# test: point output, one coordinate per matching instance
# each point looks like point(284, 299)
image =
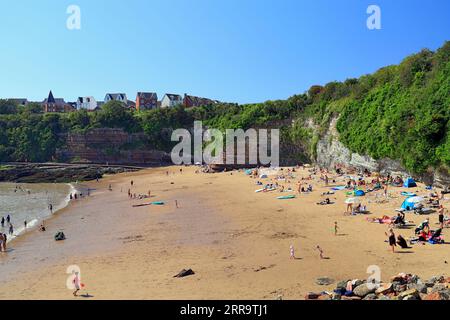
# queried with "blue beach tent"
point(359, 193)
point(408, 205)
point(410, 183)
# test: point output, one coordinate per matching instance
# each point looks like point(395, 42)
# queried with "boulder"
point(184, 273)
point(363, 290)
point(398, 287)
point(384, 288)
point(422, 288)
point(411, 297)
point(324, 296)
point(342, 285)
point(435, 279)
point(442, 290)
point(370, 296)
point(409, 293)
point(324, 281)
point(358, 283)
point(436, 296)
point(312, 296)
point(414, 279)
point(350, 298)
point(438, 287)
point(59, 236)
point(336, 296)
point(398, 278)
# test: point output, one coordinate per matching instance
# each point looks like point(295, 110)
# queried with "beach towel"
point(338, 188)
point(286, 197)
point(408, 194)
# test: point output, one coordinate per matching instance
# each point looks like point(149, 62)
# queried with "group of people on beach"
point(370, 183)
point(9, 224)
point(3, 236)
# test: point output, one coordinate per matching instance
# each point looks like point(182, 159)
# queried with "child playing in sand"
point(292, 251)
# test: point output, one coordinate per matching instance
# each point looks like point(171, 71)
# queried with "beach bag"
point(59, 236)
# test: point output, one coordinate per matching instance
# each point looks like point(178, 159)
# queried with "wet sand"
point(237, 242)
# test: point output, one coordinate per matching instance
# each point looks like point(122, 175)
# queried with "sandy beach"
point(236, 241)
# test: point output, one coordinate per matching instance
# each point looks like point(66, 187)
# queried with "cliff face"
point(110, 145)
point(331, 152)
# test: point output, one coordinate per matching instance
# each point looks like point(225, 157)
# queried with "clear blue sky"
point(231, 50)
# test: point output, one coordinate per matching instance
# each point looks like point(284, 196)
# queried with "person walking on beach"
point(3, 222)
point(336, 228)
point(441, 215)
point(2, 243)
point(11, 229)
point(76, 283)
point(25, 224)
point(176, 204)
point(320, 252)
point(50, 208)
point(392, 239)
point(292, 252)
point(8, 219)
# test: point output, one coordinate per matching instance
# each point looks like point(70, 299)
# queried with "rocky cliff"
point(110, 145)
point(331, 152)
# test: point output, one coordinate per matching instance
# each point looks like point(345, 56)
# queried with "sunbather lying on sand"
point(383, 220)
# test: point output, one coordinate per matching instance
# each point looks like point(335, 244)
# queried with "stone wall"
point(110, 145)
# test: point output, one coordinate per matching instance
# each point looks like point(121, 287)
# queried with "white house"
point(88, 103)
point(171, 100)
point(122, 97)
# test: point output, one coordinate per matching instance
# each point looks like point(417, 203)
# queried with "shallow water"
point(30, 203)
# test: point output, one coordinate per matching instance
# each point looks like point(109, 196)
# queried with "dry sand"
point(237, 242)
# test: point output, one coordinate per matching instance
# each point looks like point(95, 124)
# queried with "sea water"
point(30, 203)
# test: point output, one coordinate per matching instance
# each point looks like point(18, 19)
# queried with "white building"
point(171, 100)
point(122, 97)
point(88, 103)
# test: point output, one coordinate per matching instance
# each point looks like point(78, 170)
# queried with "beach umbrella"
point(352, 200)
point(414, 199)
